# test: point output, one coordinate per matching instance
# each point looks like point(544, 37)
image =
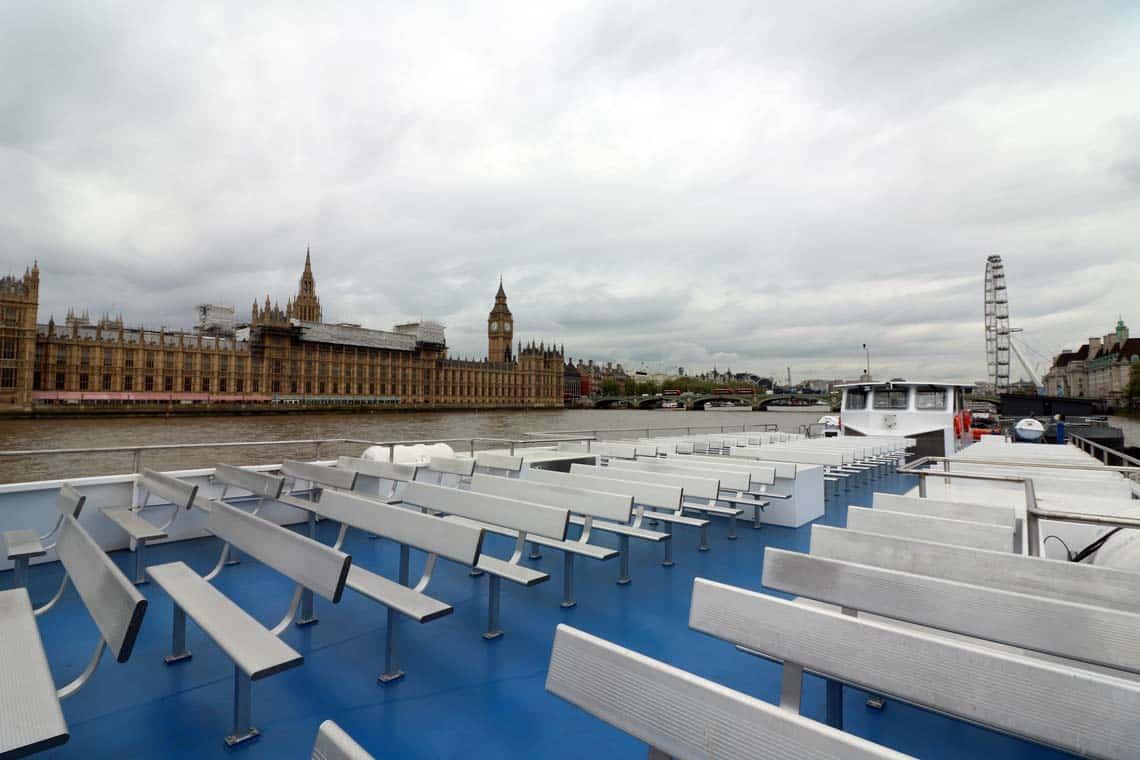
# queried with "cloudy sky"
point(755, 185)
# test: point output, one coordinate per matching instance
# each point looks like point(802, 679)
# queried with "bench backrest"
point(318, 474)
point(682, 715)
point(69, 501)
point(654, 495)
point(310, 563)
point(452, 540)
point(683, 447)
point(491, 460)
point(257, 483)
point(1069, 581)
point(114, 603)
point(525, 516)
point(614, 450)
point(759, 469)
point(939, 529)
point(173, 490)
point(607, 506)
point(464, 468)
point(952, 510)
point(334, 743)
point(738, 480)
point(1078, 631)
point(692, 485)
point(1072, 708)
point(400, 473)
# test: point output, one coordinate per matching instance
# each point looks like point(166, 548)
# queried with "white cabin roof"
point(900, 381)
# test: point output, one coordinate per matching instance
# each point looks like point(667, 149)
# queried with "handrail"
point(1033, 513)
point(744, 428)
point(1088, 446)
point(138, 450)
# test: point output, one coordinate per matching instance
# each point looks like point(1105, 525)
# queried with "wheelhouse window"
point(856, 399)
point(930, 398)
point(892, 398)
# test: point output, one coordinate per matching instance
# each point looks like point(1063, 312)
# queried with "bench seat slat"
point(713, 509)
point(406, 601)
point(30, 716)
point(670, 517)
point(23, 543)
point(622, 530)
point(524, 576)
point(251, 646)
point(592, 551)
point(135, 527)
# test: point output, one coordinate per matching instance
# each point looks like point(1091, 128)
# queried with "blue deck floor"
point(463, 697)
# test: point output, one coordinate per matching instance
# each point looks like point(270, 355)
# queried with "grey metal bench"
point(952, 510)
point(333, 743)
point(1065, 707)
point(255, 650)
point(508, 465)
point(22, 545)
point(258, 485)
point(664, 502)
point(481, 510)
point(409, 529)
point(735, 485)
point(316, 478)
point(680, 715)
point(31, 718)
point(151, 484)
point(940, 529)
point(371, 476)
point(442, 467)
point(537, 493)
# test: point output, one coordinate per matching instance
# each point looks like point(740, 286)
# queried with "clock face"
point(494, 327)
point(506, 327)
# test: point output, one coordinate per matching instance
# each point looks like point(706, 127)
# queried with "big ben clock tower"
point(500, 328)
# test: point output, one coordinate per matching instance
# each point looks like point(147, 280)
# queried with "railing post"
point(922, 485)
point(512, 448)
point(472, 448)
point(136, 460)
point(391, 452)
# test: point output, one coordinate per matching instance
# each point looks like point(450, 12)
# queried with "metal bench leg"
point(234, 556)
point(568, 580)
point(623, 548)
point(243, 707)
point(178, 650)
point(140, 563)
point(833, 714)
point(534, 552)
point(732, 527)
point(493, 630)
point(392, 671)
point(756, 517)
point(20, 572)
point(475, 572)
point(306, 615)
point(704, 547)
point(668, 561)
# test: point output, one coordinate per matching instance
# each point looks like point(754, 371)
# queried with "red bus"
point(722, 391)
point(671, 392)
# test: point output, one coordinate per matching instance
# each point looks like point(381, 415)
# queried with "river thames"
point(147, 431)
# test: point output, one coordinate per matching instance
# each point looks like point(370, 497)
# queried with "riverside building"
point(283, 355)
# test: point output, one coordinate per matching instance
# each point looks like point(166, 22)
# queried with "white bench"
point(1069, 708)
point(150, 484)
point(409, 529)
point(537, 493)
point(333, 743)
point(664, 502)
point(255, 650)
point(939, 529)
point(680, 715)
point(508, 465)
point(21, 545)
point(735, 485)
point(1077, 631)
point(449, 470)
point(371, 476)
point(316, 478)
point(952, 510)
point(31, 718)
point(492, 512)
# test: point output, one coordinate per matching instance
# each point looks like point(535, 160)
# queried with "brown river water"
point(144, 431)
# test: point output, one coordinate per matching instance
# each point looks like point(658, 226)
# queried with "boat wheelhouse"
point(933, 414)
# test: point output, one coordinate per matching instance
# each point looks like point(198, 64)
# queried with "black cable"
point(1068, 552)
point(1095, 545)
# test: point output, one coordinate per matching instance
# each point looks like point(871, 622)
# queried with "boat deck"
point(463, 697)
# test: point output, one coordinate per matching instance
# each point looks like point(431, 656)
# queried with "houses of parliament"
point(283, 355)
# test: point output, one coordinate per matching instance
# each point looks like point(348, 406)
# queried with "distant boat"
point(673, 406)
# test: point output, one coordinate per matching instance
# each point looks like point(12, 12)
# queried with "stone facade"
point(1099, 369)
point(282, 356)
